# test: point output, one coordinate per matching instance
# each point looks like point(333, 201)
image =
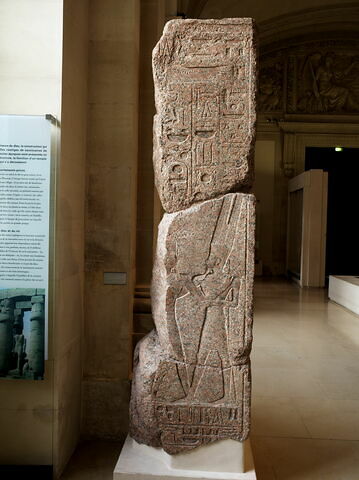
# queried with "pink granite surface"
point(191, 382)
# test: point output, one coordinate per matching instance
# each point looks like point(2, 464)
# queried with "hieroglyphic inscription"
point(204, 128)
point(187, 427)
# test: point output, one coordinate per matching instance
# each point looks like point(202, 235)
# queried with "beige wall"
point(30, 83)
point(152, 21)
point(40, 420)
point(263, 189)
point(110, 212)
point(70, 228)
point(271, 190)
point(30, 56)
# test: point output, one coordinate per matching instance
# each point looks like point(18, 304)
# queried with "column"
point(36, 342)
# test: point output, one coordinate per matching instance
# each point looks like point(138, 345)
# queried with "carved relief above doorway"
point(319, 77)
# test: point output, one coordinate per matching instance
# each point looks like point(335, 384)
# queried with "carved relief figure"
point(202, 308)
point(205, 279)
point(333, 89)
point(271, 88)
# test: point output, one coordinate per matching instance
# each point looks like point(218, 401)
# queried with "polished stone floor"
point(305, 385)
point(305, 364)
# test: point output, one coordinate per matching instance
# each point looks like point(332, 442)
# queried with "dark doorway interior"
point(342, 257)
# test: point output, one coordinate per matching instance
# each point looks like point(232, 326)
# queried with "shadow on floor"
point(93, 460)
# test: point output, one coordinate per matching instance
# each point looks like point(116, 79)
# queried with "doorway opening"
point(342, 165)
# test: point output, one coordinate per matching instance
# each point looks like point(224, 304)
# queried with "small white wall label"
point(114, 278)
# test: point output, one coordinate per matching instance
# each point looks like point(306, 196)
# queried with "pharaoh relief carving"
point(205, 93)
point(315, 78)
point(202, 322)
point(199, 389)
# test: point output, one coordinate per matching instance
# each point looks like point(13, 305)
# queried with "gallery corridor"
point(305, 364)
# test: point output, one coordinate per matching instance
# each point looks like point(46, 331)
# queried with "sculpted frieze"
point(315, 78)
point(330, 83)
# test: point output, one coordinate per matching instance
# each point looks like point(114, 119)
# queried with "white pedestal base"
point(222, 460)
point(345, 291)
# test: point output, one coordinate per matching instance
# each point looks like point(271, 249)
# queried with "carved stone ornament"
point(205, 85)
point(314, 78)
point(330, 83)
point(191, 381)
point(270, 89)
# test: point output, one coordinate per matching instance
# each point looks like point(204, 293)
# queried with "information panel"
point(25, 179)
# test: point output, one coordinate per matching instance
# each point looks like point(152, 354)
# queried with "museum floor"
point(305, 364)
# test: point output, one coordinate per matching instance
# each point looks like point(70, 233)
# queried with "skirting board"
point(345, 291)
point(140, 462)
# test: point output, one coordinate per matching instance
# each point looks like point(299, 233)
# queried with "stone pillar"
point(111, 185)
point(152, 21)
point(18, 320)
point(36, 350)
point(191, 382)
point(6, 334)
